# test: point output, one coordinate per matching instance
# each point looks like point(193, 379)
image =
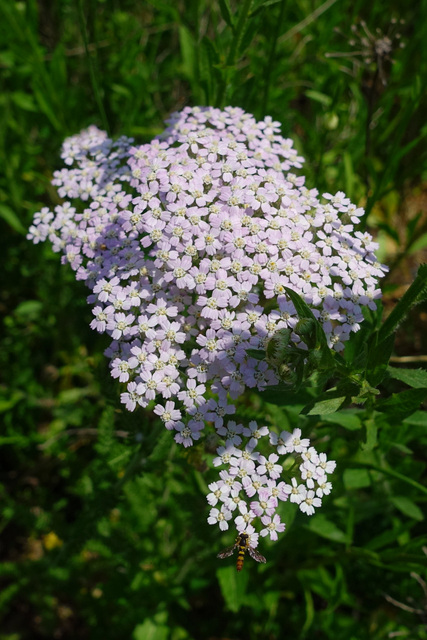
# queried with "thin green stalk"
point(271, 57)
point(92, 70)
point(234, 48)
point(389, 472)
point(308, 20)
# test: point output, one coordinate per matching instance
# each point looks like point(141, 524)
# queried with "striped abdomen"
point(240, 558)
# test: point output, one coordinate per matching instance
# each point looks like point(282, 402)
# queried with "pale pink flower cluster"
point(187, 244)
point(252, 485)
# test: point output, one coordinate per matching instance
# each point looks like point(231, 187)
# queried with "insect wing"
point(227, 552)
point(255, 555)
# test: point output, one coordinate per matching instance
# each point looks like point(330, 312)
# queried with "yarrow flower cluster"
point(261, 482)
point(187, 244)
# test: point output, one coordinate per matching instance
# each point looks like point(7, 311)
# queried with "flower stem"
point(234, 50)
point(271, 58)
point(92, 71)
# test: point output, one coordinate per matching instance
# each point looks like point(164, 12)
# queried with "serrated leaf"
point(378, 358)
point(329, 402)
point(415, 378)
point(258, 354)
point(327, 529)
point(407, 507)
point(401, 405)
point(233, 586)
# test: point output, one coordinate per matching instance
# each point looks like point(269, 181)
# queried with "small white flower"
point(309, 503)
point(220, 517)
point(297, 492)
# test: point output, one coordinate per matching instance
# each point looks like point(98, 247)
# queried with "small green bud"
point(306, 329)
point(286, 374)
point(277, 344)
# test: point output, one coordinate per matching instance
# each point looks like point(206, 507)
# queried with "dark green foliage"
point(103, 530)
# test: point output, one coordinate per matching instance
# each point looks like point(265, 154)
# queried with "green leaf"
point(29, 310)
point(390, 231)
point(418, 244)
point(149, 630)
point(415, 378)
point(24, 101)
point(327, 529)
point(378, 358)
point(187, 45)
point(12, 219)
point(45, 106)
point(208, 67)
point(260, 6)
point(248, 36)
point(319, 97)
point(281, 395)
point(259, 354)
point(418, 419)
point(328, 402)
point(407, 507)
point(387, 537)
point(356, 478)
point(401, 405)
point(233, 586)
point(349, 419)
point(225, 9)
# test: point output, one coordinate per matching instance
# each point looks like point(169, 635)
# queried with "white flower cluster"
point(252, 486)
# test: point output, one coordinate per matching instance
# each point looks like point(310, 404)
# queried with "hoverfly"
point(242, 543)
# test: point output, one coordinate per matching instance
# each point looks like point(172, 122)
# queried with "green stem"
point(92, 71)
point(271, 57)
point(234, 49)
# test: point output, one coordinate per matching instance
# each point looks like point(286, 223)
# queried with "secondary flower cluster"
point(259, 479)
